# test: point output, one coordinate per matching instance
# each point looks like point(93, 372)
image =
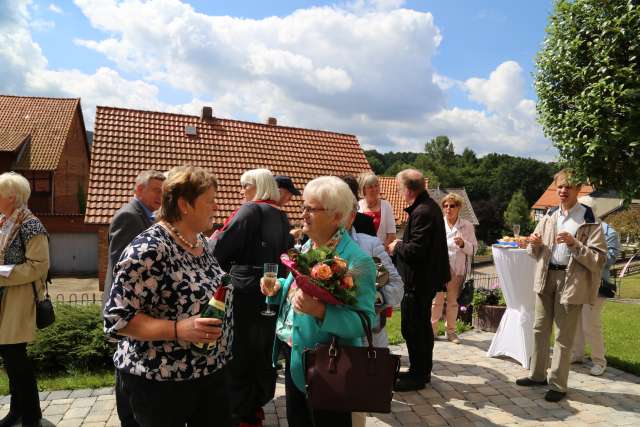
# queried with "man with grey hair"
point(129, 221)
point(422, 259)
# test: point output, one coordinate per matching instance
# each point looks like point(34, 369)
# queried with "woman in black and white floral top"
point(162, 282)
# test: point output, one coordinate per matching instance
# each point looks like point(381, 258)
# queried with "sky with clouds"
point(395, 73)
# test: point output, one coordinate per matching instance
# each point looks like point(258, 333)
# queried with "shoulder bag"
point(45, 315)
point(343, 378)
point(467, 288)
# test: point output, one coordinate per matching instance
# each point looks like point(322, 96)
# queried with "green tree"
point(517, 212)
point(626, 223)
point(440, 150)
point(396, 167)
point(376, 164)
point(588, 87)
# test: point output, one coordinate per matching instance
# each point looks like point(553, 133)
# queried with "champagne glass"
point(516, 230)
point(269, 277)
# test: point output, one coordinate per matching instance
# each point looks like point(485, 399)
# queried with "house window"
point(40, 182)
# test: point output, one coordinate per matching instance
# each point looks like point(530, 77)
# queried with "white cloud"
point(502, 91)
point(363, 68)
point(55, 9)
point(373, 62)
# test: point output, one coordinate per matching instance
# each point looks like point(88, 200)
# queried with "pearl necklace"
point(183, 239)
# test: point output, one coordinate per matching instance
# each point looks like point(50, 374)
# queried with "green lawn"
point(630, 287)
point(66, 382)
point(395, 336)
point(621, 324)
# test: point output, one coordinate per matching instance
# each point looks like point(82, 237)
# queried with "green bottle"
point(215, 309)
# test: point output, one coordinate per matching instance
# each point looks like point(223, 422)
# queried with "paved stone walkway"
point(467, 389)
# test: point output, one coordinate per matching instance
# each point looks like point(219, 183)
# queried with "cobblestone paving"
point(467, 389)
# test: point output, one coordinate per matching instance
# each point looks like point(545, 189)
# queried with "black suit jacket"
point(421, 257)
point(129, 221)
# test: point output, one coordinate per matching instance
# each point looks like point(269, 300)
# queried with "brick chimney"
point(207, 114)
point(272, 121)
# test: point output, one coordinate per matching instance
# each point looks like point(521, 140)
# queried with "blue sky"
point(393, 72)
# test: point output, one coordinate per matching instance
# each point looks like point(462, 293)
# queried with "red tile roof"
point(10, 141)
point(550, 198)
point(129, 141)
point(47, 120)
point(389, 192)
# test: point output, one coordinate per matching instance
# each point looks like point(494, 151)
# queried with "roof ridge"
point(40, 97)
point(225, 119)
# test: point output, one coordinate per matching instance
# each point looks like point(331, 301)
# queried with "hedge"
point(74, 342)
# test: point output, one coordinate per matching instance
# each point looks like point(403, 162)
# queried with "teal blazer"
point(339, 320)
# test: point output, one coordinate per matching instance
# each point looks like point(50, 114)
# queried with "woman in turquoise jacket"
point(304, 321)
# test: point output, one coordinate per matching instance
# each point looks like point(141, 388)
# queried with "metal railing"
point(486, 281)
point(81, 299)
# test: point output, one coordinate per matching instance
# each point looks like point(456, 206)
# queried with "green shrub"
point(74, 342)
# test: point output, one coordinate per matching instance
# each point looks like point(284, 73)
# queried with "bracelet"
point(175, 329)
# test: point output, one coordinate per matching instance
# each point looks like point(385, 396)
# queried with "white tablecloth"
point(514, 337)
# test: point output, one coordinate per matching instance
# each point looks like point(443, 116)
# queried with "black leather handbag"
point(343, 378)
point(467, 289)
point(45, 315)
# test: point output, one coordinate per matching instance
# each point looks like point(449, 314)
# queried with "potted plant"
point(488, 307)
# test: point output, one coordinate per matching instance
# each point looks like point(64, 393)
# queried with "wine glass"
point(516, 230)
point(269, 277)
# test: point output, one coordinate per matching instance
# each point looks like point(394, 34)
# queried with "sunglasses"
point(449, 206)
point(309, 209)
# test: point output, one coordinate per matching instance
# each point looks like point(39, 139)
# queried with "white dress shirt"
point(560, 253)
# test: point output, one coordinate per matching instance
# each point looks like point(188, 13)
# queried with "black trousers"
point(299, 413)
point(125, 413)
point(418, 333)
point(25, 401)
point(251, 375)
point(201, 402)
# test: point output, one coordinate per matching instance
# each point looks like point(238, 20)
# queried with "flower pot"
point(487, 317)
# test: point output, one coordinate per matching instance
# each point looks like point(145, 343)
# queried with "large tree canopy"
point(588, 86)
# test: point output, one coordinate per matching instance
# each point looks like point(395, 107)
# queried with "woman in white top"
point(380, 210)
point(462, 243)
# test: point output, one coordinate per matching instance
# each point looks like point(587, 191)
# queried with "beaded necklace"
point(182, 238)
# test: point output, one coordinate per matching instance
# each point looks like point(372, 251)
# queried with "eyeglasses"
point(449, 206)
point(309, 209)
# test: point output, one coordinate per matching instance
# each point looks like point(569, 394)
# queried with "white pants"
point(590, 331)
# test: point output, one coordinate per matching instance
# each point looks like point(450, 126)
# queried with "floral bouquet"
point(321, 273)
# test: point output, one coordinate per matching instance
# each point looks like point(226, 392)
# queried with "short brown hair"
point(411, 179)
point(187, 182)
point(566, 177)
point(456, 199)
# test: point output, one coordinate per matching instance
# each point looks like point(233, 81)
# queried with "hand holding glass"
point(269, 278)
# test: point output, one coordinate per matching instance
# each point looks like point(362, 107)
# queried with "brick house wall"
point(72, 174)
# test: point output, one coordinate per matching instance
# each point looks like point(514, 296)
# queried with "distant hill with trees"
point(490, 180)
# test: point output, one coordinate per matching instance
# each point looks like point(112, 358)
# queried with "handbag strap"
point(366, 325)
point(35, 293)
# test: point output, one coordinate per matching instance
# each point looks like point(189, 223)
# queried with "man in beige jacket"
point(570, 250)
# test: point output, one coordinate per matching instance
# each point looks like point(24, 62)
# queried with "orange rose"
point(339, 266)
point(321, 272)
point(347, 282)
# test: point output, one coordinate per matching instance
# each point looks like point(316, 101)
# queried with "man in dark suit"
point(423, 262)
point(129, 221)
